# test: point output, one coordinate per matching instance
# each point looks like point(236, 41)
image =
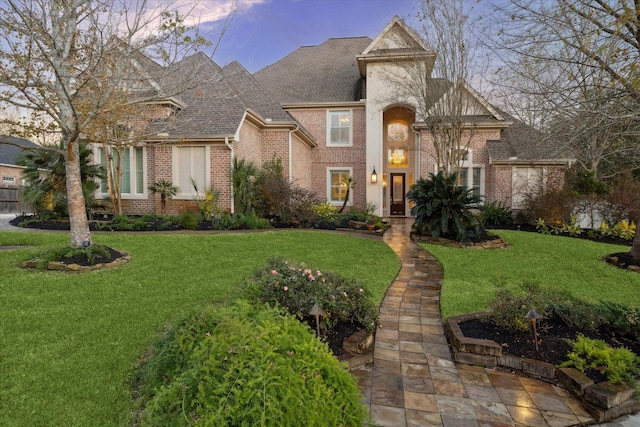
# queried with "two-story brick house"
point(326, 112)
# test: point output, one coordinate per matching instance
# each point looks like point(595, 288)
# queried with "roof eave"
point(531, 162)
point(469, 125)
point(264, 123)
point(363, 60)
point(323, 105)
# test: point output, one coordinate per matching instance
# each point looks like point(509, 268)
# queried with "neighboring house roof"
point(316, 74)
point(522, 143)
point(10, 147)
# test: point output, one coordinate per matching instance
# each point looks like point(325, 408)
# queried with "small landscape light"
point(86, 244)
point(533, 315)
point(317, 311)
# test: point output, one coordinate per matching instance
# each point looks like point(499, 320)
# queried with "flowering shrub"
point(298, 287)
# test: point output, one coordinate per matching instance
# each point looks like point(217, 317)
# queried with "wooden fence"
point(11, 199)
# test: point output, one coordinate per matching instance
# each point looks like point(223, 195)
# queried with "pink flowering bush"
point(297, 287)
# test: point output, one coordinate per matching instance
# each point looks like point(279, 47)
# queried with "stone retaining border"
point(496, 243)
point(59, 266)
point(604, 401)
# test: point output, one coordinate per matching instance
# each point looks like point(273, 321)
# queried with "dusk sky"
point(265, 31)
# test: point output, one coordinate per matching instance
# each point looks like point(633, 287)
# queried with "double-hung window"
point(337, 185)
point(190, 166)
point(131, 163)
point(339, 128)
point(470, 175)
point(525, 180)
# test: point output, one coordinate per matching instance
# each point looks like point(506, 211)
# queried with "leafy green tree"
point(73, 61)
point(442, 208)
point(45, 174)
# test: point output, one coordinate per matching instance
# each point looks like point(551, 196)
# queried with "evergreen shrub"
point(245, 365)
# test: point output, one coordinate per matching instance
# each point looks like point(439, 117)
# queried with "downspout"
point(291, 152)
point(230, 147)
point(418, 156)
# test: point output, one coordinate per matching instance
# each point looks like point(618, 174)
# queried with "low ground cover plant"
point(245, 365)
point(620, 365)
point(623, 229)
point(297, 287)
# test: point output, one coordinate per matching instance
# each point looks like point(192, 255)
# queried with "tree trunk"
point(78, 222)
point(635, 246)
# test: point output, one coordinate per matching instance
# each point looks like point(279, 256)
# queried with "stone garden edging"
point(496, 243)
point(604, 401)
point(59, 266)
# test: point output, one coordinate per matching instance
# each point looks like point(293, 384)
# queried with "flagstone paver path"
point(414, 381)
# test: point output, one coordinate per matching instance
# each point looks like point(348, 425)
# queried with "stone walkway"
point(414, 381)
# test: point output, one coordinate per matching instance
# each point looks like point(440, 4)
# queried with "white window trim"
point(338, 203)
point(514, 176)
point(174, 170)
point(470, 166)
point(328, 119)
point(133, 176)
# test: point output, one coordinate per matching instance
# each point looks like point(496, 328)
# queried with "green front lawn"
point(68, 342)
point(472, 277)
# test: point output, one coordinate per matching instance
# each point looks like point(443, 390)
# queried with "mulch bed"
point(82, 260)
point(336, 335)
point(553, 336)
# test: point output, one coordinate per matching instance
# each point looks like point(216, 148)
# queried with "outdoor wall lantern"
point(374, 176)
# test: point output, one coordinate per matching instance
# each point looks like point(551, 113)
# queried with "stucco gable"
point(397, 36)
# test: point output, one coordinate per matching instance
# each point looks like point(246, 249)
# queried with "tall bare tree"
point(69, 59)
point(582, 58)
point(440, 89)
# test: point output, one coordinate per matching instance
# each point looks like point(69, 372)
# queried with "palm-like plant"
point(442, 208)
point(349, 183)
point(243, 176)
point(165, 189)
point(45, 177)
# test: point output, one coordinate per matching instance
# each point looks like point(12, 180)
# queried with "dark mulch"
point(584, 235)
point(622, 259)
point(553, 336)
point(83, 260)
point(337, 334)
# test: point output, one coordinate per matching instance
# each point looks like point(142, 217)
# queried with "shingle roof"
point(216, 104)
point(324, 73)
point(521, 142)
point(8, 152)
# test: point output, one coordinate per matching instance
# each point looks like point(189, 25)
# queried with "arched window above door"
point(398, 131)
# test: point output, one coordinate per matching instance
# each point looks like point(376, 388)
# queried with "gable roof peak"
point(397, 36)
